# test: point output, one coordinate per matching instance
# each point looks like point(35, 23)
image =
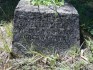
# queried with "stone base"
point(43, 29)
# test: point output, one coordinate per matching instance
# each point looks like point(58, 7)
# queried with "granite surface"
point(43, 29)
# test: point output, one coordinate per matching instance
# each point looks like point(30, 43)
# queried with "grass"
point(5, 44)
point(85, 9)
point(53, 62)
point(47, 2)
point(40, 61)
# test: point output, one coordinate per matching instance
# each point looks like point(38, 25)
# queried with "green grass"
point(5, 44)
point(47, 2)
point(85, 9)
point(39, 61)
point(6, 36)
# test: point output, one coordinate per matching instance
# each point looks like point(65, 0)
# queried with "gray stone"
point(43, 29)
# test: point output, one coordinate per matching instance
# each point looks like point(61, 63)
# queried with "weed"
point(5, 46)
point(47, 2)
point(89, 43)
point(73, 51)
point(79, 65)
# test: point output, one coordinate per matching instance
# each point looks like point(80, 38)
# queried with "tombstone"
point(45, 30)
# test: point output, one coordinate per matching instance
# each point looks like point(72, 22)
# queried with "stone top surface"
point(25, 6)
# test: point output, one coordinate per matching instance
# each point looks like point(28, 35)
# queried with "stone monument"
point(43, 29)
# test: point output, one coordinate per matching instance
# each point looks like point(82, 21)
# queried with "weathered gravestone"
point(44, 29)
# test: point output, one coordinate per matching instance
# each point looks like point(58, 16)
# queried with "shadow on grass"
point(85, 10)
point(7, 8)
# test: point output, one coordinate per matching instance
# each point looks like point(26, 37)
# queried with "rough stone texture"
point(44, 29)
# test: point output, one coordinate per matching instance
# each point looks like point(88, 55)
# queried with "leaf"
point(91, 31)
point(1, 49)
point(47, 2)
point(7, 48)
point(9, 68)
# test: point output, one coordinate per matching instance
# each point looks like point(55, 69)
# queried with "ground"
point(73, 60)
